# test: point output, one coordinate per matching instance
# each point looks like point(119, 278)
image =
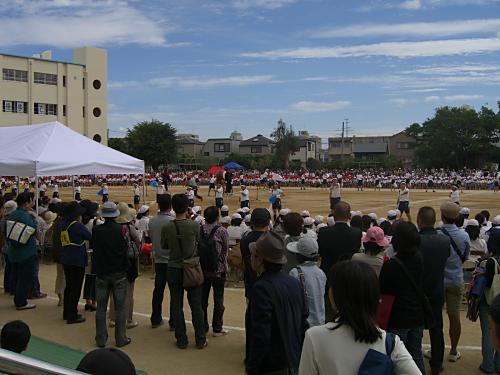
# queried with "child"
point(219, 196)
point(137, 197)
point(455, 195)
point(160, 190)
point(190, 195)
point(55, 191)
point(105, 193)
point(311, 277)
point(244, 197)
point(15, 336)
point(403, 202)
point(334, 195)
point(78, 192)
point(211, 184)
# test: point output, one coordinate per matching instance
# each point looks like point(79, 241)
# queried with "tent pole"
point(36, 193)
point(73, 185)
point(144, 192)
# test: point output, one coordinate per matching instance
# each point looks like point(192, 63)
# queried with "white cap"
point(321, 225)
point(199, 219)
point(308, 221)
point(196, 209)
point(319, 219)
point(225, 220)
point(284, 211)
point(464, 211)
point(473, 222)
point(330, 221)
point(305, 213)
point(235, 216)
point(143, 209)
point(373, 215)
point(306, 246)
point(496, 220)
point(392, 214)
point(248, 218)
point(245, 210)
point(354, 213)
point(224, 208)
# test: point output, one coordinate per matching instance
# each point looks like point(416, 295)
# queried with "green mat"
point(56, 354)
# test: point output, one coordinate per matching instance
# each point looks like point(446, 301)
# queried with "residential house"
point(258, 145)
point(222, 147)
point(402, 146)
point(189, 145)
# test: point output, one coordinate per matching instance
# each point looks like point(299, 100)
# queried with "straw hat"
point(124, 213)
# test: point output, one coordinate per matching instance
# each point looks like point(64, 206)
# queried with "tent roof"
point(52, 149)
point(232, 165)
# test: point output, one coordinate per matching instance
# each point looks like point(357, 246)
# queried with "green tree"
point(287, 142)
point(456, 137)
point(314, 164)
point(154, 142)
point(119, 144)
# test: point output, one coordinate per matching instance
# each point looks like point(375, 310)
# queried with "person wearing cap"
point(244, 197)
point(190, 195)
point(435, 250)
point(235, 231)
point(219, 196)
point(277, 305)
point(305, 214)
point(335, 196)
point(215, 279)
point(106, 361)
point(309, 228)
point(453, 273)
point(403, 202)
point(110, 261)
point(180, 237)
point(374, 244)
point(311, 277)
point(478, 245)
point(143, 223)
point(407, 315)
point(160, 257)
point(338, 242)
point(224, 211)
point(74, 259)
point(278, 222)
point(225, 221)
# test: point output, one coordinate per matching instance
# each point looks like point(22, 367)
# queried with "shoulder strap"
point(454, 244)
point(303, 284)
point(212, 232)
point(390, 342)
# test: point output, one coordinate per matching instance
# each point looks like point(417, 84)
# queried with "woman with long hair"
point(339, 347)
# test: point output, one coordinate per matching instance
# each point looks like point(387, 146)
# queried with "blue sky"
point(213, 66)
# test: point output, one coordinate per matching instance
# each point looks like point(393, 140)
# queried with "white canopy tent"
point(53, 149)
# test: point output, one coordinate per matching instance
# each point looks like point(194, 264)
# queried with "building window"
point(7, 106)
point(221, 147)
point(64, 81)
point(405, 145)
point(64, 110)
point(96, 84)
point(20, 107)
point(309, 146)
point(256, 149)
point(45, 78)
point(83, 108)
point(14, 107)
point(15, 75)
point(45, 109)
point(97, 138)
point(97, 112)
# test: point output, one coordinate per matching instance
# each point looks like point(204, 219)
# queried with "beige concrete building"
point(189, 145)
point(258, 145)
point(38, 89)
point(309, 148)
point(222, 147)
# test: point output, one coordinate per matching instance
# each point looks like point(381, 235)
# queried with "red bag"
point(384, 310)
point(147, 248)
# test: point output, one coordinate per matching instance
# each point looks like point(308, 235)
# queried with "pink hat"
point(376, 235)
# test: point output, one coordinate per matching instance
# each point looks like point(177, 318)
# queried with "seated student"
point(106, 361)
point(15, 336)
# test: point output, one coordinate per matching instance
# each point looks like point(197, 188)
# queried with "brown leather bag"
point(192, 274)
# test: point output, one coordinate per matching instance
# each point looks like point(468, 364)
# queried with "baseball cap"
point(284, 211)
point(143, 209)
point(392, 214)
point(10, 206)
point(270, 247)
point(373, 216)
point(308, 221)
point(305, 213)
point(225, 220)
point(450, 210)
point(376, 235)
point(496, 220)
point(224, 208)
point(235, 216)
point(106, 361)
point(245, 210)
point(464, 211)
point(319, 219)
point(306, 246)
point(473, 222)
point(260, 217)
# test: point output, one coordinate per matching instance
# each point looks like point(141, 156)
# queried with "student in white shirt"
point(219, 196)
point(403, 202)
point(137, 197)
point(334, 195)
point(275, 199)
point(211, 184)
point(244, 197)
point(455, 195)
point(359, 178)
point(55, 191)
point(190, 195)
point(478, 245)
point(78, 192)
point(340, 347)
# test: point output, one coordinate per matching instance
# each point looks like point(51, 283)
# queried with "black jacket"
point(435, 250)
point(275, 296)
point(408, 308)
point(110, 249)
point(337, 243)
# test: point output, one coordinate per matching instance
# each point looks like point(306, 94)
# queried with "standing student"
point(334, 195)
point(105, 193)
point(78, 192)
point(190, 195)
point(275, 199)
point(160, 190)
point(244, 197)
point(360, 182)
point(403, 201)
point(455, 195)
point(219, 196)
point(55, 191)
point(137, 197)
point(211, 184)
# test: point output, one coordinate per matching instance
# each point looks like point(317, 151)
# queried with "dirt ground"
point(154, 350)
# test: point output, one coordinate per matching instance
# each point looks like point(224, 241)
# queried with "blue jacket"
point(75, 255)
point(275, 296)
point(17, 251)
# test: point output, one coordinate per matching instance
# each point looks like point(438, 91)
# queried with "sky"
point(209, 67)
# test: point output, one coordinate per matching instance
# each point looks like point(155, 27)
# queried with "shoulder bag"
point(192, 274)
point(491, 293)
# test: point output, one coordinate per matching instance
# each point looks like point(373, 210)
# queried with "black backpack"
point(207, 250)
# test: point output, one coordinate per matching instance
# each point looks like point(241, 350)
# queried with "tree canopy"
point(152, 141)
point(287, 142)
point(457, 137)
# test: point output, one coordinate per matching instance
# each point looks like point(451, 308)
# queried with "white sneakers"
point(451, 357)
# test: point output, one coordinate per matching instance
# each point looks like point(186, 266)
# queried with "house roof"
point(189, 141)
point(258, 140)
point(370, 148)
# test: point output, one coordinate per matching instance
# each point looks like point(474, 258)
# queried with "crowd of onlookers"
point(343, 294)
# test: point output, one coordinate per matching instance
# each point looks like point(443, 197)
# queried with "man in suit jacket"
point(336, 243)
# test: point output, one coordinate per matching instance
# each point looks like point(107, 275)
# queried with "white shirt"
point(277, 192)
point(455, 196)
point(359, 177)
point(212, 180)
point(137, 192)
point(244, 195)
point(219, 192)
point(78, 189)
point(404, 195)
point(56, 189)
point(335, 191)
point(234, 233)
point(190, 194)
point(479, 245)
point(332, 352)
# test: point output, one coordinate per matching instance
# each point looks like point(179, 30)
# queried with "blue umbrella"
point(233, 165)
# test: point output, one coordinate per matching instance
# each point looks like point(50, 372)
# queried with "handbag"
point(492, 292)
point(192, 274)
point(426, 304)
point(384, 310)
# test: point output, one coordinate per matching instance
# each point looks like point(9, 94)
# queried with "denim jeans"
point(115, 284)
point(174, 278)
point(491, 359)
point(36, 290)
point(7, 276)
point(22, 277)
point(74, 280)
point(217, 283)
point(158, 294)
point(412, 338)
point(436, 336)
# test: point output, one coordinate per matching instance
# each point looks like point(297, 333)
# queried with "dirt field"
point(153, 350)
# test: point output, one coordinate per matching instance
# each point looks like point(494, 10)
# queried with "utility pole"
point(342, 141)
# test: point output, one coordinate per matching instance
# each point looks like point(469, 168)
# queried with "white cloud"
point(72, 23)
point(427, 90)
point(411, 4)
point(394, 49)
point(469, 69)
point(432, 98)
point(398, 102)
point(415, 29)
point(306, 106)
point(194, 82)
point(263, 4)
point(457, 98)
